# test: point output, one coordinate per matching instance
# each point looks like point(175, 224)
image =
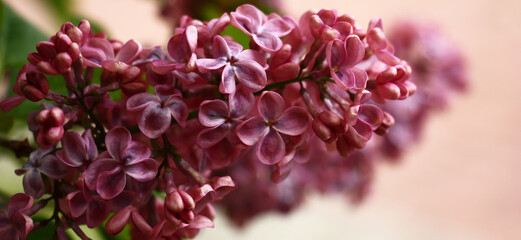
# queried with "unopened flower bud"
point(322, 131)
point(63, 62)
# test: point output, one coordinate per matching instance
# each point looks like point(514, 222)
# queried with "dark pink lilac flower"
point(265, 31)
point(124, 157)
point(15, 224)
point(245, 66)
point(158, 110)
point(342, 58)
point(78, 151)
point(40, 162)
point(266, 130)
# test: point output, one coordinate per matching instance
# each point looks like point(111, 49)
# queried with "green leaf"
point(17, 39)
point(7, 122)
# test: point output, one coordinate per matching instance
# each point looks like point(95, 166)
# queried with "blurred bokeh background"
point(463, 181)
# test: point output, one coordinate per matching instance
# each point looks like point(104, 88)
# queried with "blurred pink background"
point(462, 182)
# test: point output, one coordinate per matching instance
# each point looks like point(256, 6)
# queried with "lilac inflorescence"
point(196, 119)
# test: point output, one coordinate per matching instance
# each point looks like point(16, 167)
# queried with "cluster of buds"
point(160, 154)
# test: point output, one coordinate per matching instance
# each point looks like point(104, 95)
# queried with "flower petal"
point(154, 120)
point(227, 85)
point(371, 114)
point(270, 149)
point(52, 167)
point(163, 66)
point(276, 26)
point(270, 105)
point(77, 204)
point(33, 183)
point(294, 121)
point(241, 102)
point(118, 221)
point(139, 101)
point(111, 183)
point(251, 130)
point(135, 152)
point(97, 212)
point(97, 167)
point(209, 137)
point(207, 64)
point(19, 202)
point(142, 171)
point(201, 222)
point(268, 42)
point(355, 51)
point(129, 51)
point(116, 140)
point(213, 113)
point(74, 151)
point(178, 109)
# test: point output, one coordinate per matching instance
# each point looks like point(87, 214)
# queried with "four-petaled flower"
point(157, 110)
point(342, 58)
point(265, 31)
point(108, 174)
point(15, 224)
point(273, 121)
point(40, 162)
point(244, 66)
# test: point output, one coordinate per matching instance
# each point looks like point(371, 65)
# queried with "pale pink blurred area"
point(463, 181)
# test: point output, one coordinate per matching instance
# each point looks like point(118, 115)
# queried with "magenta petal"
point(135, 152)
point(335, 53)
point(163, 66)
point(251, 74)
point(141, 224)
point(97, 167)
point(97, 212)
point(213, 113)
point(268, 42)
point(201, 222)
point(355, 51)
point(249, 54)
point(22, 223)
point(154, 120)
point(371, 114)
point(111, 183)
point(52, 167)
point(270, 149)
point(128, 51)
point(227, 85)
point(74, 152)
point(360, 78)
point(11, 102)
point(294, 121)
point(344, 78)
point(207, 64)
point(209, 137)
point(33, 183)
point(102, 44)
point(142, 171)
point(276, 26)
point(178, 109)
point(19, 202)
point(118, 221)
point(241, 102)
point(359, 134)
point(116, 140)
point(77, 204)
point(220, 48)
point(92, 149)
point(139, 101)
point(270, 105)
point(251, 130)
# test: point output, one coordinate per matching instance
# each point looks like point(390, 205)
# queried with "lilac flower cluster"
point(438, 70)
point(163, 153)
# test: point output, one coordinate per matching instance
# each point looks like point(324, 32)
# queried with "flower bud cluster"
point(301, 95)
